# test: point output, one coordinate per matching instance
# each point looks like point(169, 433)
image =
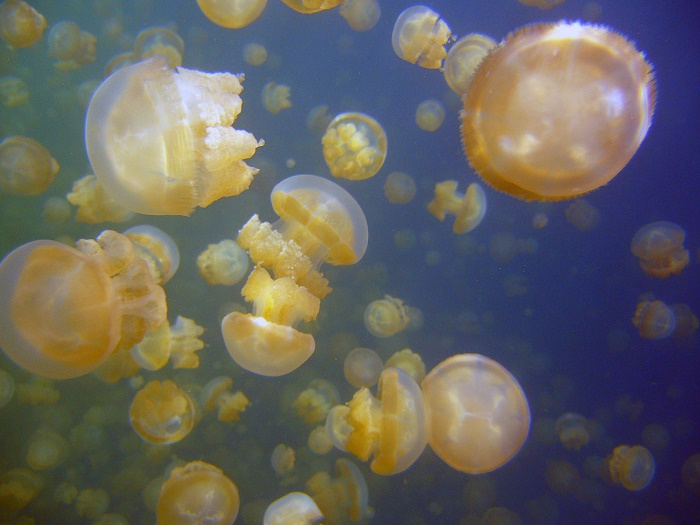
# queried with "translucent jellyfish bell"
point(633, 467)
point(26, 167)
point(20, 24)
point(419, 37)
point(296, 508)
point(354, 146)
point(233, 14)
point(162, 413)
point(311, 6)
point(361, 15)
point(463, 58)
point(158, 249)
point(659, 248)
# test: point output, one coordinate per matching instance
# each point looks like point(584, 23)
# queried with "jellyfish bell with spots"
point(354, 146)
point(420, 36)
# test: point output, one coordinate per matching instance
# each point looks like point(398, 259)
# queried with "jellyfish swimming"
point(361, 15)
point(430, 114)
point(654, 319)
point(162, 412)
point(354, 146)
point(233, 14)
point(20, 24)
point(420, 36)
point(464, 58)
point(632, 467)
point(469, 208)
point(26, 166)
point(659, 248)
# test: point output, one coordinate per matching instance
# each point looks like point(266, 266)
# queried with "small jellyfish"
point(385, 317)
point(633, 467)
point(160, 41)
point(26, 167)
point(343, 497)
point(362, 367)
point(94, 205)
point(7, 388)
point(13, 92)
point(659, 248)
point(354, 146)
point(311, 6)
point(430, 114)
point(295, 508)
point(319, 442)
point(532, 127)
point(162, 413)
point(282, 459)
point(361, 15)
point(399, 188)
point(654, 319)
point(178, 344)
point(408, 361)
point(47, 449)
point(503, 247)
point(313, 404)
point(233, 14)
point(20, 24)
point(420, 36)
point(318, 119)
point(686, 321)
point(275, 97)
point(477, 415)
point(198, 493)
point(224, 263)
point(56, 210)
point(572, 430)
point(542, 4)
point(70, 47)
point(160, 141)
point(255, 54)
point(469, 208)
point(217, 395)
point(18, 487)
point(120, 61)
point(92, 503)
point(540, 220)
point(582, 215)
point(157, 248)
point(464, 58)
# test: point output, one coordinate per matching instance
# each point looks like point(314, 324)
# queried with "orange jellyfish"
point(160, 41)
point(477, 415)
point(20, 24)
point(659, 248)
point(162, 413)
point(354, 146)
point(654, 319)
point(430, 115)
point(399, 188)
point(633, 467)
point(464, 58)
point(361, 15)
point(542, 4)
point(217, 395)
point(46, 450)
point(469, 208)
point(178, 344)
point(557, 110)
point(282, 459)
point(294, 508)
point(26, 167)
point(420, 36)
point(223, 263)
point(13, 92)
point(313, 404)
point(70, 46)
point(198, 493)
point(160, 141)
point(94, 205)
point(233, 14)
point(572, 430)
point(686, 321)
point(386, 317)
point(311, 6)
point(275, 97)
point(340, 498)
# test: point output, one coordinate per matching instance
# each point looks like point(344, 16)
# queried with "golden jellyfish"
point(20, 24)
point(362, 367)
point(47, 449)
point(92, 503)
point(313, 404)
point(7, 388)
point(582, 215)
point(527, 128)
point(217, 395)
point(71, 47)
point(464, 58)
point(295, 508)
point(198, 493)
point(275, 97)
point(361, 15)
point(408, 361)
point(160, 41)
point(386, 317)
point(18, 487)
point(162, 413)
point(56, 210)
point(542, 4)
point(224, 263)
point(469, 208)
point(354, 146)
point(233, 14)
point(342, 497)
point(632, 467)
point(477, 415)
point(282, 459)
point(654, 319)
point(94, 205)
point(160, 141)
point(420, 36)
point(659, 248)
point(311, 6)
point(319, 442)
point(26, 167)
point(120, 61)
point(157, 248)
point(13, 92)
point(178, 344)
point(572, 430)
point(430, 114)
point(64, 310)
point(38, 391)
point(255, 54)
point(399, 188)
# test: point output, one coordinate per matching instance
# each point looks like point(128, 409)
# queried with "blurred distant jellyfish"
point(463, 58)
point(654, 319)
point(632, 467)
point(503, 247)
point(540, 220)
point(469, 208)
point(420, 36)
point(56, 210)
point(362, 367)
point(224, 263)
point(572, 431)
point(399, 188)
point(282, 459)
point(275, 97)
point(160, 41)
point(659, 248)
point(318, 119)
point(582, 215)
point(71, 47)
point(361, 15)
point(255, 54)
point(20, 24)
point(311, 6)
point(430, 115)
point(217, 395)
point(542, 4)
point(386, 317)
point(686, 321)
point(26, 167)
point(13, 92)
point(7, 388)
point(232, 14)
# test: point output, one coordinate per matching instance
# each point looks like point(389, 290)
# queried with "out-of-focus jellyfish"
point(562, 477)
point(223, 263)
point(318, 119)
point(295, 508)
point(38, 391)
point(532, 127)
point(313, 403)
point(420, 36)
point(354, 146)
point(540, 220)
point(319, 442)
point(633, 467)
point(582, 215)
point(20, 24)
point(94, 205)
point(399, 188)
point(659, 248)
point(385, 317)
point(654, 319)
point(464, 58)
point(47, 449)
point(26, 167)
point(63, 311)
point(477, 415)
point(503, 247)
point(361, 15)
point(690, 474)
point(7, 388)
point(157, 248)
point(18, 487)
point(311, 6)
point(217, 395)
point(656, 437)
point(686, 321)
point(120, 61)
point(572, 430)
point(255, 54)
point(160, 41)
point(233, 14)
point(56, 210)
point(70, 47)
point(362, 367)
point(542, 4)
point(343, 497)
point(275, 97)
point(430, 114)
point(198, 493)
point(161, 143)
point(92, 503)
point(13, 92)
point(162, 413)
point(178, 344)
point(469, 208)
point(282, 459)
point(408, 361)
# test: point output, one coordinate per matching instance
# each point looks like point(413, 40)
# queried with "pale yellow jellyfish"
point(463, 58)
point(420, 36)
point(255, 54)
point(47, 449)
point(7, 388)
point(385, 317)
point(542, 4)
point(572, 430)
point(233, 14)
point(56, 210)
point(94, 205)
point(319, 442)
point(311, 6)
point(224, 263)
point(120, 61)
point(13, 92)
point(178, 343)
point(92, 503)
point(18, 487)
point(659, 248)
point(399, 188)
point(38, 391)
point(71, 47)
point(362, 367)
point(217, 395)
point(157, 248)
point(295, 508)
point(408, 361)
point(313, 404)
point(282, 459)
point(354, 146)
point(161, 142)
point(340, 498)
point(582, 215)
point(318, 119)
point(469, 208)
point(26, 167)
point(162, 413)
point(20, 24)
point(632, 467)
point(654, 319)
point(275, 97)
point(430, 114)
point(361, 15)
point(160, 41)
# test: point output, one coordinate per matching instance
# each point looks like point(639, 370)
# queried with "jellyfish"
point(120, 61)
point(92, 503)
point(162, 413)
point(26, 167)
point(503, 247)
point(198, 493)
point(311, 6)
point(47, 449)
point(233, 14)
point(542, 4)
point(94, 205)
point(282, 459)
point(632, 467)
point(464, 58)
point(399, 188)
point(160, 141)
point(319, 442)
point(13, 92)
point(582, 215)
point(354, 146)
point(420, 36)
point(275, 97)
point(540, 220)
point(686, 321)
point(7, 387)
point(430, 115)
point(56, 211)
point(160, 41)
point(18, 487)
point(313, 404)
point(157, 248)
point(217, 395)
point(342, 497)
point(659, 248)
point(477, 415)
point(255, 54)
point(224, 263)
point(38, 391)
point(469, 208)
point(178, 344)
point(63, 310)
point(361, 15)
point(362, 367)
point(295, 508)
point(528, 129)
point(654, 319)
point(71, 47)
point(572, 430)
point(20, 24)
point(385, 317)
point(408, 361)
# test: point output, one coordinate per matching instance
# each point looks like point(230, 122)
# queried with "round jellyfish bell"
point(294, 508)
point(354, 146)
point(233, 14)
point(633, 467)
point(420, 36)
